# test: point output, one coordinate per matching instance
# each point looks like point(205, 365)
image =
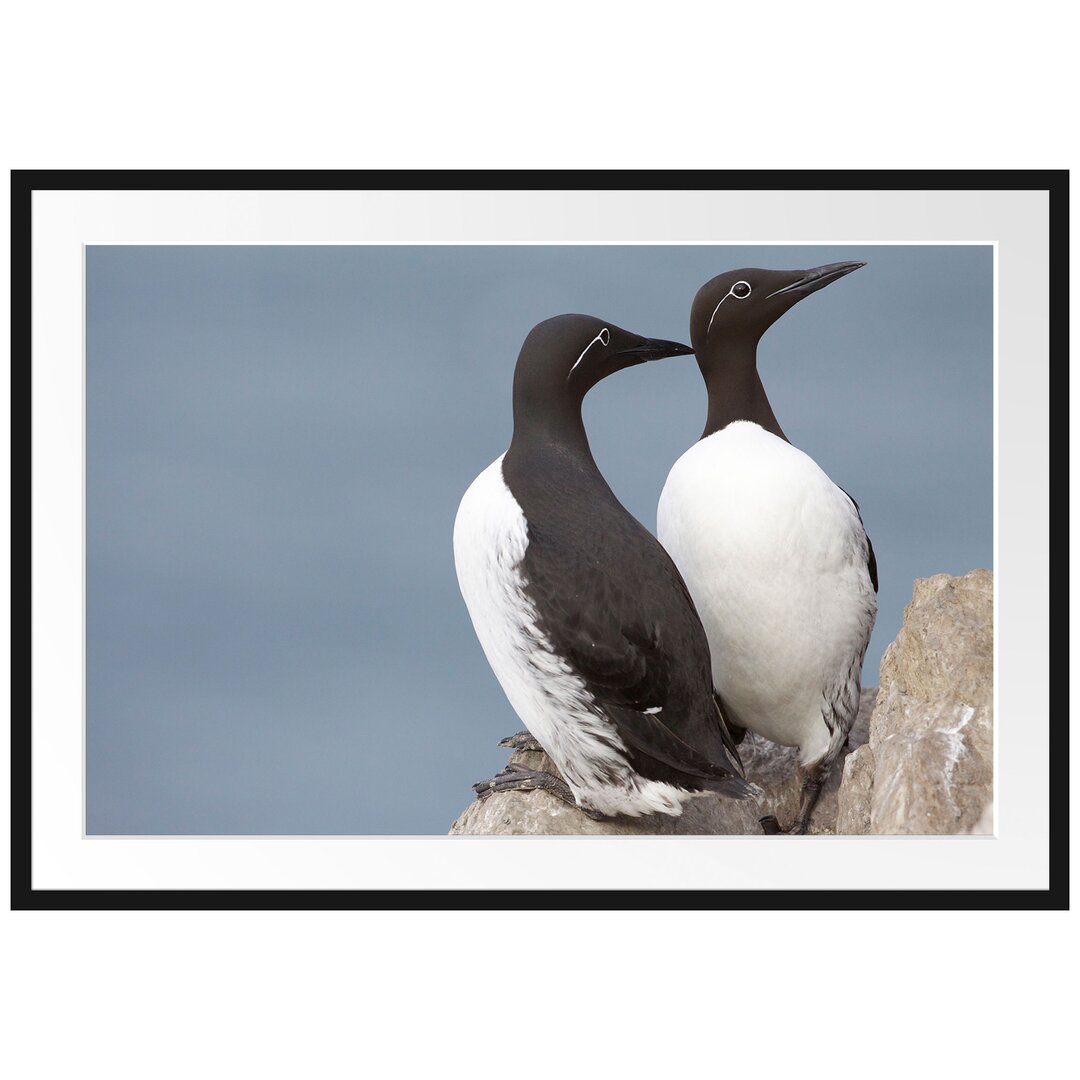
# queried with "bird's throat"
point(735, 389)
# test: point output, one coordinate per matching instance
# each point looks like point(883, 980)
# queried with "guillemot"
point(774, 553)
point(581, 614)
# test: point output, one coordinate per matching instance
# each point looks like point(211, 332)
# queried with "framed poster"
point(253, 403)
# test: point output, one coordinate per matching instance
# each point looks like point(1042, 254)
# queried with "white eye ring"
point(730, 292)
point(604, 337)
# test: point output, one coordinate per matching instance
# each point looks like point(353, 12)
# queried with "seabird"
point(582, 615)
point(774, 553)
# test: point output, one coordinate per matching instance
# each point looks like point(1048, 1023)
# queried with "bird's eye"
point(604, 337)
point(740, 290)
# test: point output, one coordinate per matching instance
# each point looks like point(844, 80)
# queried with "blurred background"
point(277, 439)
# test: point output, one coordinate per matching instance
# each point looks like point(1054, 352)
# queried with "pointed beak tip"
point(678, 349)
point(843, 269)
point(658, 349)
point(832, 271)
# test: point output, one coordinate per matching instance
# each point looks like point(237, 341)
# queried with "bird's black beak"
point(809, 281)
point(651, 349)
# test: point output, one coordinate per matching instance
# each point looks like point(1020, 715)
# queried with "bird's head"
point(743, 304)
point(566, 356)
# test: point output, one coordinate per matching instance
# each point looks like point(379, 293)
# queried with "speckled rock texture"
point(928, 767)
point(919, 759)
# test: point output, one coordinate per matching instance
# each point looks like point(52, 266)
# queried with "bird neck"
point(735, 388)
point(552, 425)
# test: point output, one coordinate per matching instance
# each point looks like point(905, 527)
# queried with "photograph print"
point(539, 539)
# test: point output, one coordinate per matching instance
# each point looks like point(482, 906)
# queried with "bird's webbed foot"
point(771, 827)
point(813, 779)
point(523, 740)
point(517, 778)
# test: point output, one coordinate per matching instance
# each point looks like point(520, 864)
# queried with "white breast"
point(490, 539)
point(774, 555)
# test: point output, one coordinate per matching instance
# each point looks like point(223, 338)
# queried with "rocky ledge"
point(919, 759)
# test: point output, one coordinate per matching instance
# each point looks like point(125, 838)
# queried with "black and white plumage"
point(775, 554)
point(583, 617)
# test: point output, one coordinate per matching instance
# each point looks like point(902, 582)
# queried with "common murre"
point(775, 554)
point(582, 615)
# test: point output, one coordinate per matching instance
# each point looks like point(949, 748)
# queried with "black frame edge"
point(24, 897)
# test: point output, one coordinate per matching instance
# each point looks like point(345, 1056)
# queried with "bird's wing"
point(608, 632)
point(647, 734)
point(731, 740)
point(871, 559)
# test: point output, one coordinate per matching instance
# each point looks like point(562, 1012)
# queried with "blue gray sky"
point(277, 439)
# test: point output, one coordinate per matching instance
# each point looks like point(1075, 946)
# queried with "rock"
point(931, 734)
point(919, 759)
point(856, 788)
point(945, 649)
point(985, 825)
point(770, 767)
point(532, 813)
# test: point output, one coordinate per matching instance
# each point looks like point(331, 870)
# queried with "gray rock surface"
point(919, 759)
point(985, 825)
point(931, 735)
point(853, 798)
point(770, 767)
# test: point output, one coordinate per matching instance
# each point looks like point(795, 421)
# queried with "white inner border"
point(1016, 221)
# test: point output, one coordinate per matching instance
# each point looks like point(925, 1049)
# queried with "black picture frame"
point(24, 184)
